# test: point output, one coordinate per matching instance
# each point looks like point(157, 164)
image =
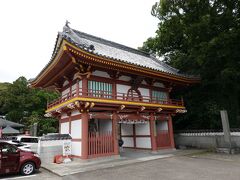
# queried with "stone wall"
point(48, 149)
point(205, 140)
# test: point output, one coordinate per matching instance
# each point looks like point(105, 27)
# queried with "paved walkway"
point(200, 166)
point(127, 157)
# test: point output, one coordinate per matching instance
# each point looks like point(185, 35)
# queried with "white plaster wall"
point(125, 78)
point(128, 142)
point(101, 74)
point(64, 115)
point(80, 84)
point(144, 92)
point(105, 125)
point(158, 84)
point(52, 143)
point(74, 86)
point(144, 82)
point(75, 112)
point(142, 129)
point(126, 129)
point(64, 128)
point(143, 142)
point(65, 83)
point(162, 125)
point(76, 129)
point(65, 91)
point(122, 88)
point(77, 148)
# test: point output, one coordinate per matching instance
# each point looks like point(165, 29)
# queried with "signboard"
point(67, 148)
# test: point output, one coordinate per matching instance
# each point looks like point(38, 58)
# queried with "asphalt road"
point(198, 167)
point(40, 175)
point(175, 168)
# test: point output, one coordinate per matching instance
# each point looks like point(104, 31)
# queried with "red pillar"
point(115, 133)
point(152, 132)
point(84, 135)
point(84, 86)
point(77, 88)
point(134, 136)
point(170, 131)
point(0, 132)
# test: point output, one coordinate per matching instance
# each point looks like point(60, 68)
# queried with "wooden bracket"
point(142, 108)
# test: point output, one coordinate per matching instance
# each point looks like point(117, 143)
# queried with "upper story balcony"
point(102, 96)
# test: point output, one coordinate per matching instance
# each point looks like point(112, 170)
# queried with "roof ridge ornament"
point(67, 22)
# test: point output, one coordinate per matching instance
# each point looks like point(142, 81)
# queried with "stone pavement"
point(127, 157)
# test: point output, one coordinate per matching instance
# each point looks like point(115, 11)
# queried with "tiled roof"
point(115, 51)
point(10, 130)
point(5, 123)
point(112, 50)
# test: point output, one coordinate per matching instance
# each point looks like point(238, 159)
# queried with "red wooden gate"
point(163, 139)
point(100, 144)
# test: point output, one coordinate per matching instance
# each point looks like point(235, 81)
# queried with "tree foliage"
point(202, 37)
point(25, 105)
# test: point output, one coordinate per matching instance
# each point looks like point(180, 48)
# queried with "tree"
point(25, 105)
point(202, 37)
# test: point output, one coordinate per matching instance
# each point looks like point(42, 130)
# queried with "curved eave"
point(97, 58)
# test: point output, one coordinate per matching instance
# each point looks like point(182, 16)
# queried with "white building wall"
point(76, 129)
point(65, 92)
point(126, 129)
point(101, 74)
point(128, 142)
point(142, 129)
point(144, 82)
point(64, 128)
point(144, 92)
point(75, 112)
point(122, 88)
point(64, 115)
point(65, 83)
point(76, 148)
point(143, 142)
point(74, 86)
point(158, 84)
point(125, 78)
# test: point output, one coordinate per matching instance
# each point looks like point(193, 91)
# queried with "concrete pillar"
point(85, 118)
point(170, 131)
point(115, 133)
point(226, 128)
point(153, 132)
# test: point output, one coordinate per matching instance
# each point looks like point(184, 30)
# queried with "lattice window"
point(159, 96)
point(100, 89)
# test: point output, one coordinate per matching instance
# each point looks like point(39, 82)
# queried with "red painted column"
point(70, 122)
point(134, 136)
point(114, 90)
point(84, 135)
point(170, 131)
point(84, 86)
point(152, 132)
point(77, 88)
point(115, 133)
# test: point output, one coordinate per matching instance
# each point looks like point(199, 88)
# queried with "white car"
point(19, 145)
point(28, 141)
